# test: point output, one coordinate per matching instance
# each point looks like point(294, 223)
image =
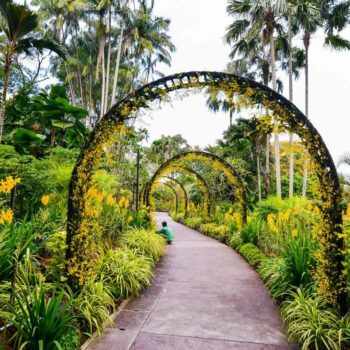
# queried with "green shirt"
point(168, 233)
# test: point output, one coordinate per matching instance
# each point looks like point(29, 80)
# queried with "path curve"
point(204, 297)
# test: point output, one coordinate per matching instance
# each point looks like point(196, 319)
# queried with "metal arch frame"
point(208, 158)
point(200, 180)
point(173, 190)
point(182, 187)
point(298, 123)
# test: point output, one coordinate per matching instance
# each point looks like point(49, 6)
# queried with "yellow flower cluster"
point(8, 184)
point(271, 223)
point(45, 200)
point(6, 216)
point(123, 202)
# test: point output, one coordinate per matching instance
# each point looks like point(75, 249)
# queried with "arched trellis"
point(173, 191)
point(188, 171)
point(202, 184)
point(331, 281)
point(176, 164)
point(145, 192)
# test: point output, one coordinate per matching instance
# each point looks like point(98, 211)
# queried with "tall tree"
point(261, 16)
point(19, 25)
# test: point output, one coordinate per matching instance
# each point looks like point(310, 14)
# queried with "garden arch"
point(253, 95)
point(188, 171)
point(212, 160)
point(173, 191)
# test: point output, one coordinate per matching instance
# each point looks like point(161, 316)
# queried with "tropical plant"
point(94, 304)
point(312, 322)
point(18, 24)
point(125, 272)
point(143, 242)
point(40, 321)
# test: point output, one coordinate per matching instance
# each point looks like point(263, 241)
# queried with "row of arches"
point(251, 95)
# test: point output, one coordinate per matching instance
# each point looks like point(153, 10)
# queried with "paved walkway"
point(204, 297)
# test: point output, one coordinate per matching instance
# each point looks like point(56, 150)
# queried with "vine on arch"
point(331, 281)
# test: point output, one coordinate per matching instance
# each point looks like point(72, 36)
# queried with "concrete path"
point(204, 297)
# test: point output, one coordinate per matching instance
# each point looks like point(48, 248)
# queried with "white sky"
point(197, 29)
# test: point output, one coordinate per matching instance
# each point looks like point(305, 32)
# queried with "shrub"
point(179, 217)
point(312, 323)
point(40, 321)
point(125, 272)
point(219, 232)
point(252, 254)
point(70, 340)
point(144, 242)
point(234, 240)
point(194, 222)
point(94, 304)
point(274, 274)
point(250, 233)
point(298, 255)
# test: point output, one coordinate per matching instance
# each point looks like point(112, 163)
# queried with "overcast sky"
point(197, 29)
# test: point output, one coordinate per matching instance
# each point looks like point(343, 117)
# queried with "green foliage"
point(219, 232)
point(40, 320)
point(252, 254)
point(125, 272)
point(194, 222)
point(70, 340)
point(179, 217)
point(143, 242)
point(15, 239)
point(55, 246)
point(299, 259)
point(313, 323)
point(249, 233)
point(94, 304)
point(234, 240)
point(274, 274)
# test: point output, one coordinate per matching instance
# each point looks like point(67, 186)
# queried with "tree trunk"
point(117, 64)
point(52, 138)
point(108, 61)
point(306, 40)
point(305, 175)
point(275, 131)
point(258, 168)
point(267, 166)
point(290, 73)
point(4, 94)
point(102, 108)
point(266, 69)
point(231, 116)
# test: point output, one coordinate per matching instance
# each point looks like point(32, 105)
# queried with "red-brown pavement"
point(204, 297)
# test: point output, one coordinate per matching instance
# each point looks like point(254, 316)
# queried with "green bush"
point(70, 340)
point(219, 232)
point(179, 217)
point(298, 255)
point(144, 242)
point(193, 222)
point(125, 272)
point(252, 254)
point(249, 233)
point(94, 304)
point(311, 322)
point(40, 321)
point(275, 274)
point(234, 240)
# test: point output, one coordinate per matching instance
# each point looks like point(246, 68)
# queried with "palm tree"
point(222, 100)
point(18, 23)
point(307, 16)
point(260, 16)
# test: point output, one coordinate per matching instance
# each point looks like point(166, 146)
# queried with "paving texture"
point(204, 296)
